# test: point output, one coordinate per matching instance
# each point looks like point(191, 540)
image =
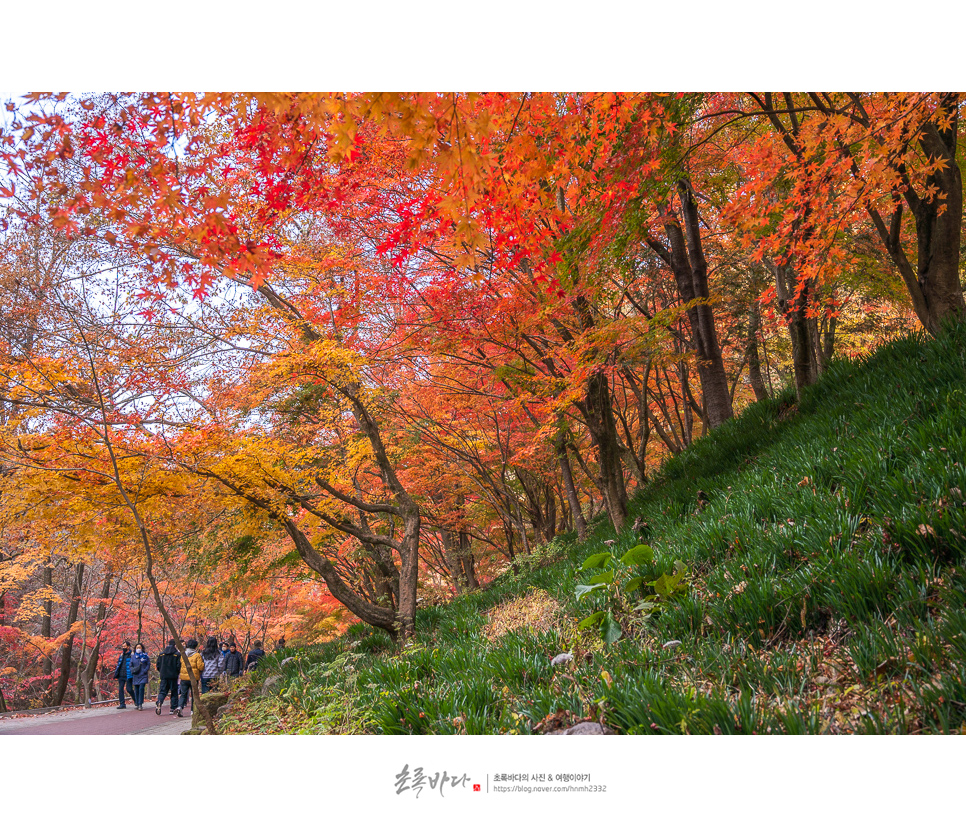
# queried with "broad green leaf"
point(641, 554)
point(633, 584)
point(647, 607)
point(595, 561)
point(610, 632)
point(666, 586)
point(661, 585)
point(592, 620)
point(583, 590)
point(604, 578)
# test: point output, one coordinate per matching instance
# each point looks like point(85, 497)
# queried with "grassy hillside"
point(824, 549)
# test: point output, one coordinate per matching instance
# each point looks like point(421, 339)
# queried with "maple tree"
point(844, 156)
point(430, 329)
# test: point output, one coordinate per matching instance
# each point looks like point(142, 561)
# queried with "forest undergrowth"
point(808, 576)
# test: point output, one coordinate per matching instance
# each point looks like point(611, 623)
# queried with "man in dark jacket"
point(256, 654)
point(169, 668)
point(122, 674)
point(233, 661)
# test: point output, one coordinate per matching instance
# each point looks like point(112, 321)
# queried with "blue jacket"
point(145, 664)
point(121, 670)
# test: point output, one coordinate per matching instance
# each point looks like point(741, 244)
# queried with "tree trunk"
point(822, 347)
point(89, 671)
point(408, 577)
point(751, 354)
point(68, 647)
point(48, 663)
point(402, 623)
point(687, 414)
point(541, 503)
point(384, 585)
point(714, 382)
point(3, 596)
point(376, 615)
point(827, 340)
point(384, 572)
point(453, 562)
point(465, 550)
point(793, 304)
point(686, 259)
point(406, 509)
point(573, 500)
point(466, 557)
point(511, 551)
point(934, 283)
point(140, 612)
point(599, 414)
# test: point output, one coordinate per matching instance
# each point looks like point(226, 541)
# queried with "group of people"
point(208, 666)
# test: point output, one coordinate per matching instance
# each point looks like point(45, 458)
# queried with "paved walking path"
point(97, 721)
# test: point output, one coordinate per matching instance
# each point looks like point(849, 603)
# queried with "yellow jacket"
point(197, 663)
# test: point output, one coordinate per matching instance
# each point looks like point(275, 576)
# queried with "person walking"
point(121, 674)
point(224, 655)
point(256, 654)
point(197, 666)
point(140, 665)
point(169, 667)
point(234, 661)
point(280, 645)
point(214, 665)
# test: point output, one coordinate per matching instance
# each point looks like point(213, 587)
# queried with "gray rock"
point(585, 728)
point(270, 684)
point(564, 657)
point(213, 701)
point(670, 644)
point(286, 660)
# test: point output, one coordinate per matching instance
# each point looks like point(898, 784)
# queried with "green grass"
point(827, 586)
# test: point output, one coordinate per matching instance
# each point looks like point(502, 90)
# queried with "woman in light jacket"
point(140, 665)
point(214, 664)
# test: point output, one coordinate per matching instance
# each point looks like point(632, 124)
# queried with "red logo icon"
point(476, 787)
